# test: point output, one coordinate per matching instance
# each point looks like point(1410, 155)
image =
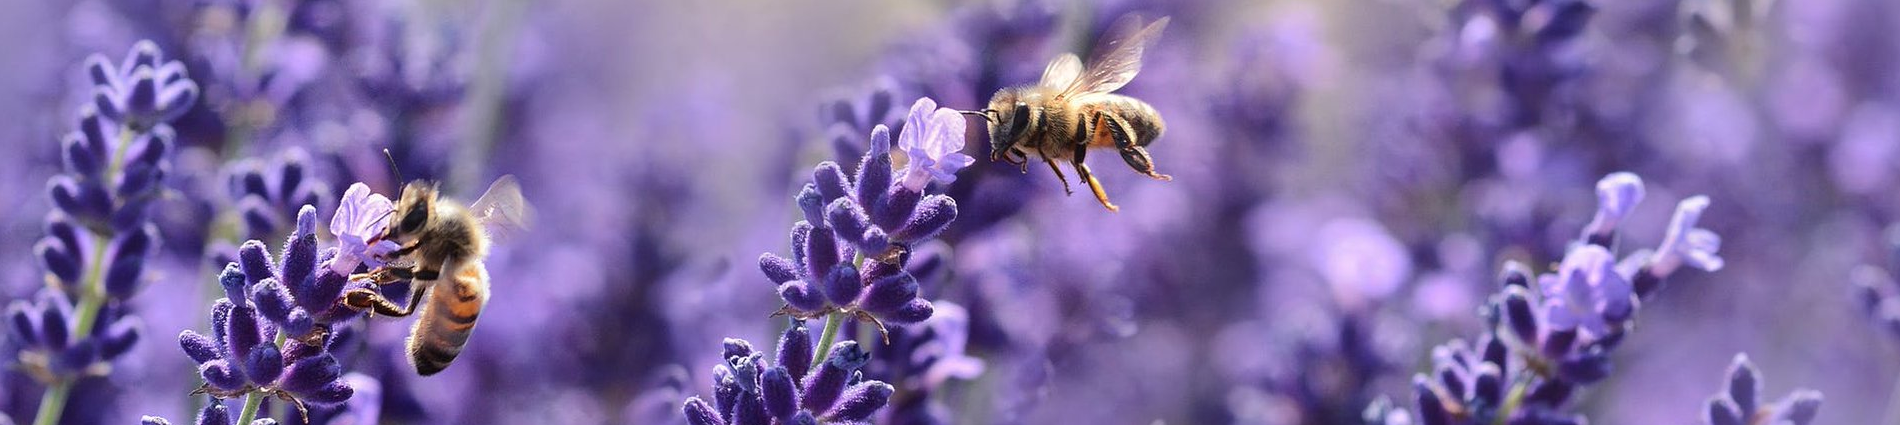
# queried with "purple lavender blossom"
point(99, 236)
point(268, 196)
point(271, 333)
point(849, 255)
point(751, 391)
point(920, 359)
point(360, 216)
point(1739, 402)
point(1563, 326)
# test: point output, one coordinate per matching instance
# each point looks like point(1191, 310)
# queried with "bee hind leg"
point(1135, 155)
point(1082, 171)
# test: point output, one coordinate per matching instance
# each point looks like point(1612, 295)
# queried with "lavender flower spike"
point(933, 140)
point(1687, 244)
point(1738, 403)
point(1617, 195)
point(750, 391)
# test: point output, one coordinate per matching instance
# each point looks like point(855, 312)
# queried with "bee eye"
point(1019, 120)
point(412, 221)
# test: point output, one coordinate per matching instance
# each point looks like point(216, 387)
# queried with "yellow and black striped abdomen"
point(448, 317)
point(1143, 123)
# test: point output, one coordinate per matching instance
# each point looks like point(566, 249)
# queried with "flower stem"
point(1512, 401)
point(53, 403)
point(832, 322)
point(92, 296)
point(251, 403)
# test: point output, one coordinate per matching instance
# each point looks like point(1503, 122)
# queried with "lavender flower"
point(98, 237)
point(933, 142)
point(1739, 401)
point(270, 334)
point(144, 90)
point(750, 391)
point(1617, 195)
point(1545, 342)
point(1687, 244)
point(919, 359)
point(268, 196)
point(851, 220)
point(360, 216)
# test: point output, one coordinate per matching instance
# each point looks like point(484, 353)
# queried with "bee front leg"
point(1059, 176)
point(1082, 170)
point(367, 299)
point(1136, 156)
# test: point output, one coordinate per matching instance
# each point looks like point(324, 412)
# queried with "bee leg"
point(1136, 156)
point(1015, 156)
point(1082, 170)
point(367, 299)
point(1059, 176)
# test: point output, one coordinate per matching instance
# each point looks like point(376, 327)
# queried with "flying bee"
point(441, 246)
point(1072, 110)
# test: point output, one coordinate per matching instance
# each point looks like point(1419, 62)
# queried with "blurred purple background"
point(1349, 177)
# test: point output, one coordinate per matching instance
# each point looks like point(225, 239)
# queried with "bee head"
point(412, 211)
point(1009, 118)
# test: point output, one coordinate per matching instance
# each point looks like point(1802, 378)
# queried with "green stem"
point(92, 296)
point(832, 322)
point(251, 402)
point(53, 403)
point(1512, 401)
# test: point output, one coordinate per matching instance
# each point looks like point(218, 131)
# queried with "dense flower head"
point(1552, 333)
point(748, 390)
point(144, 90)
point(292, 299)
point(51, 349)
point(1739, 402)
point(849, 253)
point(268, 195)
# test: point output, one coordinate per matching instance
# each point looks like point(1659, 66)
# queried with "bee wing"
point(1062, 71)
point(1117, 58)
point(501, 210)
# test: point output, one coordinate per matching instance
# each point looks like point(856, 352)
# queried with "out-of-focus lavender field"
point(1383, 212)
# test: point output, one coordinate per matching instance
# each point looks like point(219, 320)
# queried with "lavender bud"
point(778, 269)
point(1742, 384)
point(830, 181)
point(779, 394)
point(699, 413)
point(860, 401)
point(932, 215)
point(311, 374)
point(221, 375)
point(842, 286)
point(214, 414)
point(1722, 411)
point(254, 260)
point(795, 350)
point(198, 347)
point(800, 295)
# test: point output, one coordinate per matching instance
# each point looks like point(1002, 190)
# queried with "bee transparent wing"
point(501, 210)
point(1117, 57)
point(1062, 71)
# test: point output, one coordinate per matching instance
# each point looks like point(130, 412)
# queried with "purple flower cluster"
point(269, 195)
point(99, 236)
point(1552, 333)
point(751, 391)
point(1740, 401)
point(271, 332)
point(213, 414)
point(849, 254)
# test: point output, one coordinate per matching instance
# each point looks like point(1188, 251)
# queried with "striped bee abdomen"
point(448, 317)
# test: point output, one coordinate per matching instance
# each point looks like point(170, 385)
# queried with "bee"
point(1072, 110)
point(441, 247)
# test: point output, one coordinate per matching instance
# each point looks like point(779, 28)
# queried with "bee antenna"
point(392, 166)
point(987, 114)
